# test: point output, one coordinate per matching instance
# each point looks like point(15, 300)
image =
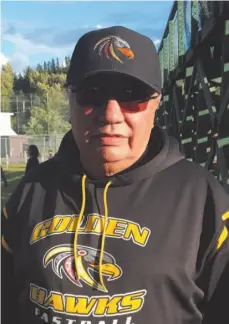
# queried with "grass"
point(13, 174)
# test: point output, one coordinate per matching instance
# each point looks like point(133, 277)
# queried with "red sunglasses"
point(127, 99)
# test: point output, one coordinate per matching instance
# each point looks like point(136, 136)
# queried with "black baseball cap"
point(116, 50)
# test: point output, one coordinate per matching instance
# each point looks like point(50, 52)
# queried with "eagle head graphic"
point(62, 260)
point(112, 47)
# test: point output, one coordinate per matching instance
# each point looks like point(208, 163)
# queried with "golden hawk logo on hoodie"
point(61, 259)
point(84, 265)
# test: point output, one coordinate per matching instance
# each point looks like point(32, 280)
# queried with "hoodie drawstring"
point(103, 235)
point(81, 214)
point(83, 186)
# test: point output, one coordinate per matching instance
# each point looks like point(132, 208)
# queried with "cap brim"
point(111, 71)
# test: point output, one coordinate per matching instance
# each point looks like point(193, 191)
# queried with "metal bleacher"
point(194, 57)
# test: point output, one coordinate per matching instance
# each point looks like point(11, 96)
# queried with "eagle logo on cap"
point(112, 47)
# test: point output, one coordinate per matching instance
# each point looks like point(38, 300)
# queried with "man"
point(50, 154)
point(118, 228)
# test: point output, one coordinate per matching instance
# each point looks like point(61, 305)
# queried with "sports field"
point(13, 175)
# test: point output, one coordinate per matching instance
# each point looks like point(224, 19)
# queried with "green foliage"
point(51, 116)
point(20, 105)
point(7, 80)
point(37, 97)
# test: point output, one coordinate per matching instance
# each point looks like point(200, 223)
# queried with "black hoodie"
point(146, 246)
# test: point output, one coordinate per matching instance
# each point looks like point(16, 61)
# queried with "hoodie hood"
point(162, 152)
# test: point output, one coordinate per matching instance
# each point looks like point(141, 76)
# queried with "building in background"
point(13, 146)
point(5, 125)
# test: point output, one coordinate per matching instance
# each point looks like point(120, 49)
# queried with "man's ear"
point(157, 102)
point(159, 99)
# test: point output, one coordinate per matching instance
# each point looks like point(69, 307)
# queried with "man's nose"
point(112, 113)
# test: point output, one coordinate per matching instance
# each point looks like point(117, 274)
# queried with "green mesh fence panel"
point(176, 55)
point(187, 22)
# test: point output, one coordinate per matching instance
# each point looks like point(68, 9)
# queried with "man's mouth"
point(109, 139)
point(108, 135)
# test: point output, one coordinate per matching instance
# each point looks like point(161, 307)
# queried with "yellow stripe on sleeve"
point(224, 234)
point(222, 238)
point(5, 245)
point(225, 216)
point(5, 213)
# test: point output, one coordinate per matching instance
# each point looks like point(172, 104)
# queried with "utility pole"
point(47, 99)
point(48, 117)
point(17, 115)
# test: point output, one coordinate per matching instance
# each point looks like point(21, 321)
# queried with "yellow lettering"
point(93, 224)
point(41, 296)
point(106, 306)
point(33, 292)
point(40, 231)
point(79, 305)
point(72, 226)
point(132, 302)
point(37, 294)
point(55, 302)
point(59, 224)
point(82, 305)
point(139, 236)
point(115, 227)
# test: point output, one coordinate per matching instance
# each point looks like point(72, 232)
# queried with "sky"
point(37, 31)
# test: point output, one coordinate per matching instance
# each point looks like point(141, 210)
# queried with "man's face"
point(110, 124)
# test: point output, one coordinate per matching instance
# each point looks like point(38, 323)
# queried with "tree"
point(39, 68)
point(7, 82)
point(53, 66)
point(58, 69)
point(49, 69)
point(51, 115)
point(66, 63)
point(18, 81)
point(20, 105)
point(30, 80)
point(68, 59)
point(45, 67)
point(40, 100)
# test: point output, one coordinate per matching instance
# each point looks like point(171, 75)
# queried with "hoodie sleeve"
point(9, 300)
point(213, 256)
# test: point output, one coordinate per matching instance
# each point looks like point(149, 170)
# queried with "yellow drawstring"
point(103, 235)
point(79, 222)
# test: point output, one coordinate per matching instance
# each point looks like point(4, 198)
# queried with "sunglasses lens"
point(132, 106)
point(96, 98)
